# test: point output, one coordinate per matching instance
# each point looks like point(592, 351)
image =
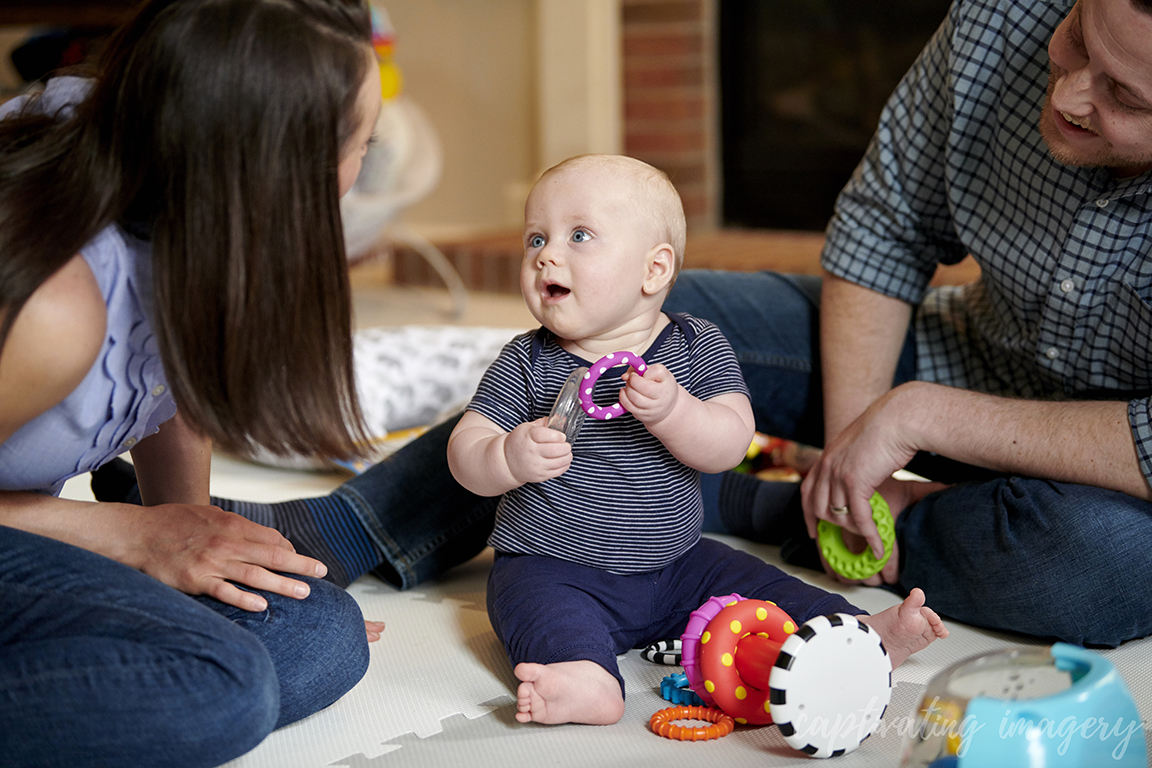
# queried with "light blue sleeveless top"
point(124, 397)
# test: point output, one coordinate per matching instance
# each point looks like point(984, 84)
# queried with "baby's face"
point(585, 253)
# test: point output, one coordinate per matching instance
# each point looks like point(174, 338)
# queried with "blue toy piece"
point(674, 688)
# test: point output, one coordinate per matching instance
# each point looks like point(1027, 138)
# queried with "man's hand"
point(900, 495)
point(535, 453)
point(855, 464)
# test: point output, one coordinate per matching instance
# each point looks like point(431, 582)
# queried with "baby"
point(598, 546)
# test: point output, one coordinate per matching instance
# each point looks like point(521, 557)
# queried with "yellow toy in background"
point(384, 43)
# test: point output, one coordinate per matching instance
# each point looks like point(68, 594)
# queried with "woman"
point(172, 274)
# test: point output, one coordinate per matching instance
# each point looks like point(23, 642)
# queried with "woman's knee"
point(176, 705)
point(344, 635)
point(322, 652)
point(244, 711)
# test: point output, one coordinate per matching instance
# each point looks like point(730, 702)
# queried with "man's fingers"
point(890, 573)
point(814, 497)
point(865, 526)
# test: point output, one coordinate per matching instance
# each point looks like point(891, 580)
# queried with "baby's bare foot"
point(374, 629)
point(568, 692)
point(907, 628)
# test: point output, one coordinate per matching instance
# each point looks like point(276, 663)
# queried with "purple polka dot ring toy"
point(610, 360)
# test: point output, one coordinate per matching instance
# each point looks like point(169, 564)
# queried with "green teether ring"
point(847, 563)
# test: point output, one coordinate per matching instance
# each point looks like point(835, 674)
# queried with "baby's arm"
point(489, 461)
point(709, 435)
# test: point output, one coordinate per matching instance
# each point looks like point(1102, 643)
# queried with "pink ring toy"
point(690, 642)
point(610, 360)
point(717, 676)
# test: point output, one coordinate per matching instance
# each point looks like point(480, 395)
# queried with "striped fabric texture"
point(626, 505)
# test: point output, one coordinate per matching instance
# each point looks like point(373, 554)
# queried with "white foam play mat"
point(439, 692)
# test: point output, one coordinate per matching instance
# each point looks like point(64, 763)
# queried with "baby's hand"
point(651, 397)
point(536, 453)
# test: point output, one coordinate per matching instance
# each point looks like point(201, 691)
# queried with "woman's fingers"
point(204, 550)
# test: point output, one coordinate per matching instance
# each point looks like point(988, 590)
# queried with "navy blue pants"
point(546, 610)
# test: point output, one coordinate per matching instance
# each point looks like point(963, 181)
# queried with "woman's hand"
point(201, 549)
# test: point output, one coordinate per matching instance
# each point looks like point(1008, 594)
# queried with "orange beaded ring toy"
point(662, 723)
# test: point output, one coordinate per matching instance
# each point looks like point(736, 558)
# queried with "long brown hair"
point(216, 127)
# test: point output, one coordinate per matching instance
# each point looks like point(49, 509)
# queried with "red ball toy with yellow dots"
point(728, 650)
point(826, 684)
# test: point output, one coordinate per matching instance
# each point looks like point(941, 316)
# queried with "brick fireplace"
point(670, 100)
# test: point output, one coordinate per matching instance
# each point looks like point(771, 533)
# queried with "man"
point(1022, 135)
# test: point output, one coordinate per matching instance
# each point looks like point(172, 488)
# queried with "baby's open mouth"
point(556, 291)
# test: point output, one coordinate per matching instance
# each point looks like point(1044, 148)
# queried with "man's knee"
point(1049, 559)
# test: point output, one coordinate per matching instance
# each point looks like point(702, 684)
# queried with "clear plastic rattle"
point(575, 400)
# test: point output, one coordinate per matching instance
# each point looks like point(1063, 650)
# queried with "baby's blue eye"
point(537, 241)
point(580, 236)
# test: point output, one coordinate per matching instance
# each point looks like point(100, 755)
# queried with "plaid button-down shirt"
point(1063, 309)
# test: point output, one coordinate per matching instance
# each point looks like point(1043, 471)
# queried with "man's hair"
point(214, 127)
point(659, 199)
point(1143, 5)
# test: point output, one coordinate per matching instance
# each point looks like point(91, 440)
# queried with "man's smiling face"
point(1098, 111)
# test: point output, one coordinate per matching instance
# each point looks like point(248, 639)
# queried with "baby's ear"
point(660, 265)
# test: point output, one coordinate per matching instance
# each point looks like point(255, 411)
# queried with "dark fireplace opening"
point(802, 83)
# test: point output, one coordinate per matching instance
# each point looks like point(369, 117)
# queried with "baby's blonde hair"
point(658, 198)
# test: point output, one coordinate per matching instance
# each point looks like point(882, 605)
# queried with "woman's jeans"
point(101, 665)
point(1048, 559)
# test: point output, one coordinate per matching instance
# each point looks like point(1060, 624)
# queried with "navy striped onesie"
point(626, 505)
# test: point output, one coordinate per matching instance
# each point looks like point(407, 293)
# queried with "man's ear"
point(660, 265)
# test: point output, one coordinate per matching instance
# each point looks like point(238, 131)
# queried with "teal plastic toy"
point(1058, 707)
point(852, 565)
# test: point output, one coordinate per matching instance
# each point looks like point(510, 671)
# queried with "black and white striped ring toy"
point(666, 652)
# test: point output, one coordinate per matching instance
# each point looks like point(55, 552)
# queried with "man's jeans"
point(101, 665)
point(1050, 559)
point(417, 514)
